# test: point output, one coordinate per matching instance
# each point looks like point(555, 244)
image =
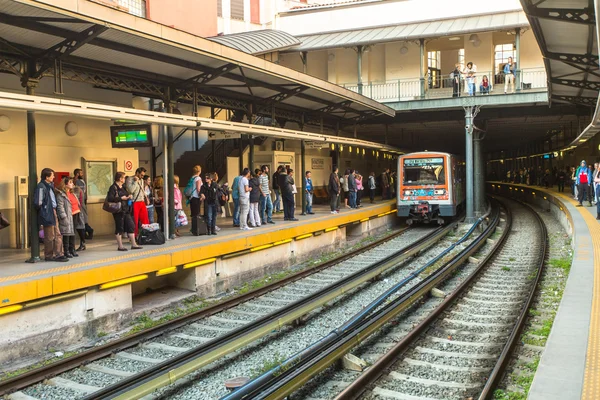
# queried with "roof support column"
point(479, 174)
point(518, 57)
point(250, 142)
point(304, 57)
point(303, 167)
point(422, 70)
point(470, 217)
point(30, 85)
point(359, 53)
point(169, 173)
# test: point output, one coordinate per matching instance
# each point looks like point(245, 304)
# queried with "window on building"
point(433, 67)
point(237, 9)
point(502, 52)
point(461, 58)
point(220, 8)
point(135, 7)
point(255, 11)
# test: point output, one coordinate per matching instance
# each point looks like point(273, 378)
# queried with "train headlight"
point(440, 191)
point(407, 192)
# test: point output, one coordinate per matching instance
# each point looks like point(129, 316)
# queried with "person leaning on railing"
point(509, 75)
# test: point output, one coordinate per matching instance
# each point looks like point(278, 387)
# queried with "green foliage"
point(505, 268)
point(268, 365)
point(562, 263)
point(17, 372)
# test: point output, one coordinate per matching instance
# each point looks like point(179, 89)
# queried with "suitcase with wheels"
point(199, 226)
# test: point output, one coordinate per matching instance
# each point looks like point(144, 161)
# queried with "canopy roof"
point(125, 52)
point(567, 33)
point(258, 42)
point(412, 31)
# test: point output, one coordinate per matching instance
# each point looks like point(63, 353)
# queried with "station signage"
point(125, 136)
point(217, 135)
point(315, 145)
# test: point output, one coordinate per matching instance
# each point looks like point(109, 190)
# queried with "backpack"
point(190, 188)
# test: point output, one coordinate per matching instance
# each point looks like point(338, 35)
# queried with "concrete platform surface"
point(101, 263)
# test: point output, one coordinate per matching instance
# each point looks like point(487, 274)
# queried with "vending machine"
point(22, 211)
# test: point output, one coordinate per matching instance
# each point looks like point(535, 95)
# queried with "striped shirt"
point(264, 184)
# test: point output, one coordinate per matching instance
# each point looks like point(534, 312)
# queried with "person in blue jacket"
point(509, 75)
point(45, 202)
point(583, 179)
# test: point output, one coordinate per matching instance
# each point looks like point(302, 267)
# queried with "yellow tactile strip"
point(591, 379)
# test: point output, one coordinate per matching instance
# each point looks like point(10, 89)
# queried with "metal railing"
point(442, 86)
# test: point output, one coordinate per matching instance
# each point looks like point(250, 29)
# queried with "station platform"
point(569, 368)
point(101, 265)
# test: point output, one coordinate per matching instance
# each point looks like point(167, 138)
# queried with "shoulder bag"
point(112, 207)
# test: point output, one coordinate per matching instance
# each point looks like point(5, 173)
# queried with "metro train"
point(431, 186)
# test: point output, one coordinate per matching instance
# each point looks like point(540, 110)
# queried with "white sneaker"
point(333, 212)
point(247, 229)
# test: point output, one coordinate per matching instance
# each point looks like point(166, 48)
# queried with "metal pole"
point(469, 162)
point(32, 156)
point(359, 52)
point(251, 153)
point(170, 226)
point(304, 56)
point(479, 175)
point(422, 53)
point(302, 173)
point(241, 159)
point(518, 57)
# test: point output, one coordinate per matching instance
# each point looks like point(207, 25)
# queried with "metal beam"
point(206, 77)
point(577, 83)
point(589, 60)
point(575, 15)
point(588, 101)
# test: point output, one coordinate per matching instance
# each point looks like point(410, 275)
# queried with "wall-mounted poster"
point(99, 176)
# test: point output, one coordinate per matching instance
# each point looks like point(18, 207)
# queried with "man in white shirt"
point(244, 193)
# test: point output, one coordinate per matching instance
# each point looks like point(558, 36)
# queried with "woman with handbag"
point(64, 212)
point(118, 201)
point(178, 201)
point(150, 196)
point(157, 194)
point(82, 217)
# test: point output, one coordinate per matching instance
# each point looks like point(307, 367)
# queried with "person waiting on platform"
point(595, 175)
point(345, 188)
point(359, 188)
point(82, 215)
point(177, 201)
point(286, 183)
point(372, 187)
point(244, 190)
point(135, 187)
point(266, 203)
point(158, 197)
point(455, 77)
point(64, 212)
point(277, 189)
point(583, 179)
point(485, 86)
point(385, 184)
point(220, 192)
point(470, 72)
point(123, 220)
point(351, 178)
point(562, 178)
point(334, 190)
point(195, 196)
point(309, 189)
point(254, 182)
point(150, 196)
point(209, 192)
point(45, 202)
point(235, 195)
point(597, 183)
point(80, 183)
point(509, 75)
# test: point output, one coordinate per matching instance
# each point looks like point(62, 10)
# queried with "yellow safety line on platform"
point(591, 378)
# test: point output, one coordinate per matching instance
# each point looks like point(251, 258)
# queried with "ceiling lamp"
point(453, 38)
point(403, 50)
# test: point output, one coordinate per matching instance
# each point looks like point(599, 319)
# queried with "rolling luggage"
point(199, 226)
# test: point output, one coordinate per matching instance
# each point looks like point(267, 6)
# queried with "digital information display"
point(419, 162)
point(131, 136)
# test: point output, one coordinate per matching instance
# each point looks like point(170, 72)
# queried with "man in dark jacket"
point(277, 190)
point(334, 190)
point(45, 202)
point(352, 187)
point(210, 191)
point(286, 183)
point(385, 184)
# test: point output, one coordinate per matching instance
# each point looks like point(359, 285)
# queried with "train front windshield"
point(424, 171)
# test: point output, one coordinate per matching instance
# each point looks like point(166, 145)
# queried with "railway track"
point(211, 334)
point(458, 347)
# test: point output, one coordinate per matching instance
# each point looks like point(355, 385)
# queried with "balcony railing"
point(533, 79)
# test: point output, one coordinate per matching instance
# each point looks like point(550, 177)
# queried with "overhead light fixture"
point(453, 38)
point(473, 38)
point(403, 50)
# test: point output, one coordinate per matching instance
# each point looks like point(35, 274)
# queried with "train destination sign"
point(419, 162)
point(131, 136)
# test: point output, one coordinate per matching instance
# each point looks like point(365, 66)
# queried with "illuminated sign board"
point(417, 162)
point(131, 136)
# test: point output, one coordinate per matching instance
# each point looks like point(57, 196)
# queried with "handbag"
point(294, 190)
point(151, 237)
point(3, 221)
point(112, 207)
point(181, 219)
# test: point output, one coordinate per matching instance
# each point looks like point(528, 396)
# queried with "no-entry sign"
point(128, 165)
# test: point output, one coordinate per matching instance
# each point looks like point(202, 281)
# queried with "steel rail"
point(292, 374)
point(371, 375)
point(498, 371)
point(170, 370)
point(40, 374)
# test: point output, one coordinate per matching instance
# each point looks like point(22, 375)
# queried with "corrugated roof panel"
point(258, 42)
point(27, 37)
point(436, 26)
